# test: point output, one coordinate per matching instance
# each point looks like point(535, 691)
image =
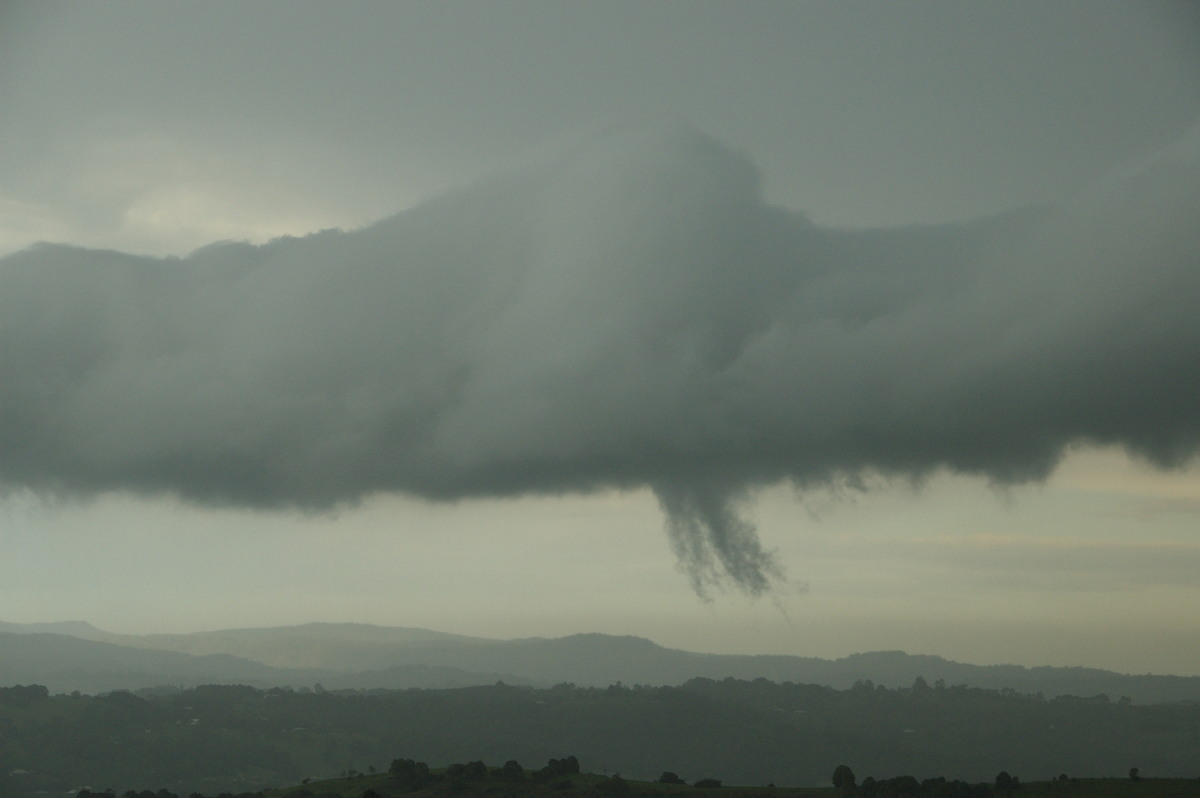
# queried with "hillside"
point(235, 739)
point(66, 664)
point(351, 647)
point(360, 656)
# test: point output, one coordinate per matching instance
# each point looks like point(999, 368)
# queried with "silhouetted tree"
point(567, 766)
point(23, 695)
point(670, 777)
point(410, 773)
point(843, 779)
point(1135, 774)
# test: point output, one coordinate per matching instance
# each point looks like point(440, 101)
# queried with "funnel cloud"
point(627, 313)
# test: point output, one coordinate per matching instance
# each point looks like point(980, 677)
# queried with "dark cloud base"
point(627, 314)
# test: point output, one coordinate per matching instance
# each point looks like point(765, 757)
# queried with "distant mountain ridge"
point(80, 629)
point(76, 656)
point(330, 646)
point(65, 663)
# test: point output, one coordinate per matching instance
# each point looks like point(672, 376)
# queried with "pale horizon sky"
point(674, 306)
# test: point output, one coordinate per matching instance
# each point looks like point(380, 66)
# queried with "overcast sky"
point(775, 327)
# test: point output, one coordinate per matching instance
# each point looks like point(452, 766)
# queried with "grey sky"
point(637, 278)
point(856, 114)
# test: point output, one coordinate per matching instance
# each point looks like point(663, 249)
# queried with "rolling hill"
point(76, 656)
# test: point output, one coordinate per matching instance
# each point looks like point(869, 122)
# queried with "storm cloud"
point(625, 313)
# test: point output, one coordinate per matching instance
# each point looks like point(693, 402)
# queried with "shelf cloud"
point(625, 313)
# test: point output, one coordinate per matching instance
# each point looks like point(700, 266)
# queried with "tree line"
point(238, 739)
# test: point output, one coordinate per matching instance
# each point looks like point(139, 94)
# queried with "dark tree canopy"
point(843, 777)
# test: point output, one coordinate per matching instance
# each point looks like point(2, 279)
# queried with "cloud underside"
point(628, 313)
